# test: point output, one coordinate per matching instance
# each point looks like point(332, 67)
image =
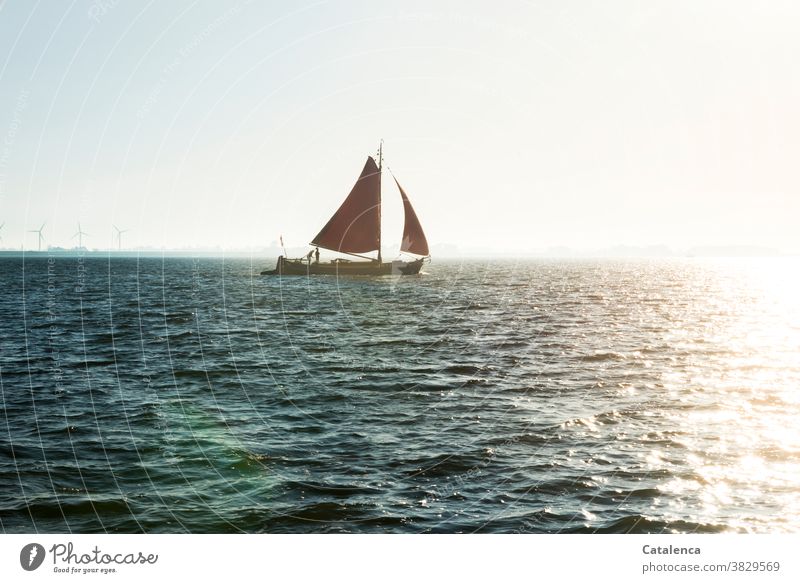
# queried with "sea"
point(193, 395)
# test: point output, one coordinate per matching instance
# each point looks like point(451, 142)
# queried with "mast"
point(380, 169)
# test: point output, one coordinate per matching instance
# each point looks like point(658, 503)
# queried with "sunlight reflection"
point(743, 438)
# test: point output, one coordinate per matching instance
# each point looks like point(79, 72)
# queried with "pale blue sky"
point(512, 125)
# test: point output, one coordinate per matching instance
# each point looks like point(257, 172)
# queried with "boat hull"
point(340, 267)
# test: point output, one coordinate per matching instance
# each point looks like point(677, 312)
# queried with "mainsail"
point(414, 240)
point(356, 226)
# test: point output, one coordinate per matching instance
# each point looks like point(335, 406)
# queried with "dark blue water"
point(184, 395)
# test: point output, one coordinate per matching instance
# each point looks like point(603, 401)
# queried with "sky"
point(513, 126)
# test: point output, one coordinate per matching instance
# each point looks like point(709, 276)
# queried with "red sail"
point(356, 226)
point(414, 240)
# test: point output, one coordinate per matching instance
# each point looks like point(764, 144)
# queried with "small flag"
point(281, 240)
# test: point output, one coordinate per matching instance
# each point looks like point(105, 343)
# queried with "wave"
point(603, 357)
point(639, 524)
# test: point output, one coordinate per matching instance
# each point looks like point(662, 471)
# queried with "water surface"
point(191, 395)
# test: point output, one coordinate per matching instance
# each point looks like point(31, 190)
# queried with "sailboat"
point(355, 229)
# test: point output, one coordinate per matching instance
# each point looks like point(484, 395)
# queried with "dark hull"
point(301, 267)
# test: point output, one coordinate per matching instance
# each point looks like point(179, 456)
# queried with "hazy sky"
point(510, 124)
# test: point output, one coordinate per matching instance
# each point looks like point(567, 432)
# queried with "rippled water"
point(542, 396)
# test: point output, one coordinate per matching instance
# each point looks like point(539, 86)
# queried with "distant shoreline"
point(271, 255)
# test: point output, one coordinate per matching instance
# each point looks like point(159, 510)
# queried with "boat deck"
point(344, 267)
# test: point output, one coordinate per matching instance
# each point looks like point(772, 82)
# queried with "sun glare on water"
point(744, 444)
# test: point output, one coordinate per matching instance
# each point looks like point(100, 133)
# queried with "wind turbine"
point(1, 228)
point(119, 235)
point(79, 235)
point(41, 237)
